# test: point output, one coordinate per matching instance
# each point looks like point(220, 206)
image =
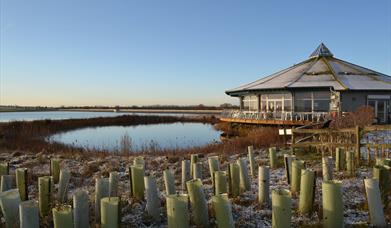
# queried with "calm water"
point(167, 136)
point(58, 115)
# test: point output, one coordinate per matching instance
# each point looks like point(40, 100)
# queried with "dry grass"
point(363, 116)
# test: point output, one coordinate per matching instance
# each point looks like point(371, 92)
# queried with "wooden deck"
point(266, 122)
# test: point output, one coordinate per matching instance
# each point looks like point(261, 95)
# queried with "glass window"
point(303, 106)
point(287, 105)
point(250, 103)
point(321, 105)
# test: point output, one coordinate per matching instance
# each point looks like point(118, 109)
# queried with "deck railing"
point(280, 115)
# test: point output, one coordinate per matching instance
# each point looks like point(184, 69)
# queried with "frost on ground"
point(246, 211)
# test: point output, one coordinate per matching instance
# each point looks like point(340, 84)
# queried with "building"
point(312, 90)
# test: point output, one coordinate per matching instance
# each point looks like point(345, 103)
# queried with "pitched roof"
point(321, 70)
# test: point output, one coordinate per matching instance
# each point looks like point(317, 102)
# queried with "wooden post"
point(297, 166)
point(9, 202)
point(177, 211)
point(55, 169)
point(234, 179)
point(45, 193)
point(185, 173)
point(332, 204)
point(263, 185)
point(273, 157)
point(28, 214)
point(81, 209)
point(62, 216)
point(169, 181)
point(198, 203)
point(110, 211)
point(251, 160)
point(374, 203)
point(281, 208)
point(152, 196)
point(244, 177)
point(307, 191)
point(21, 183)
point(223, 211)
point(101, 191)
point(62, 194)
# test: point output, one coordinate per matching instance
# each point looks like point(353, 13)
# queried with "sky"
point(185, 52)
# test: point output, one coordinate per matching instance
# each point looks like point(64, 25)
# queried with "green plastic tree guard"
point(62, 216)
point(273, 157)
point(375, 206)
point(28, 214)
point(327, 168)
point(339, 159)
point(297, 166)
point(234, 179)
point(6, 182)
point(21, 183)
point(213, 162)
point(251, 160)
point(101, 191)
point(281, 208)
point(307, 191)
point(139, 161)
point(63, 183)
point(169, 182)
point(244, 177)
point(288, 166)
point(45, 194)
point(222, 211)
point(9, 202)
point(4, 168)
point(263, 185)
point(81, 209)
point(193, 160)
point(221, 182)
point(110, 212)
point(152, 196)
point(177, 211)
point(185, 173)
point(198, 203)
point(137, 178)
point(332, 204)
point(382, 173)
point(349, 163)
point(113, 184)
point(55, 169)
point(197, 170)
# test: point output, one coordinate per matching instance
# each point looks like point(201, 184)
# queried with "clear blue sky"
point(145, 52)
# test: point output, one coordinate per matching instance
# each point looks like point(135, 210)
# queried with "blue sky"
point(146, 52)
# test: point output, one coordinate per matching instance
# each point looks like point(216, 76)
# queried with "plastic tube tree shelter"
point(234, 180)
point(281, 208)
point(198, 203)
point(244, 177)
point(9, 202)
point(139, 161)
point(197, 170)
point(288, 166)
point(152, 196)
point(4, 168)
point(45, 194)
point(113, 184)
point(110, 209)
point(327, 168)
point(297, 166)
point(177, 210)
point(63, 183)
point(263, 185)
point(332, 204)
point(81, 209)
point(185, 173)
point(213, 162)
point(339, 158)
point(55, 169)
point(6, 183)
point(222, 211)
point(193, 160)
point(136, 174)
point(307, 191)
point(169, 182)
point(21, 183)
point(375, 206)
point(101, 191)
point(221, 182)
point(349, 163)
point(273, 157)
point(383, 173)
point(28, 214)
point(62, 216)
point(253, 166)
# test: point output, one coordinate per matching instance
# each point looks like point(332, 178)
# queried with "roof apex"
point(321, 51)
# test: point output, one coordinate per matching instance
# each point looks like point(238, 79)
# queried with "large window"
point(250, 103)
point(276, 102)
point(312, 101)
